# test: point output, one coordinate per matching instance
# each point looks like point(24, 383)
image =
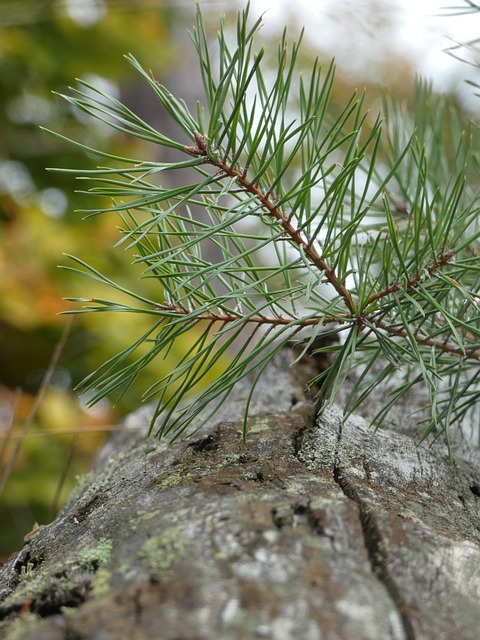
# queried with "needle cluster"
point(305, 219)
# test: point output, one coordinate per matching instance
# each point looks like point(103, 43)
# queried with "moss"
point(161, 552)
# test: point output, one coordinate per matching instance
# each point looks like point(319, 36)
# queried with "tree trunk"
point(315, 529)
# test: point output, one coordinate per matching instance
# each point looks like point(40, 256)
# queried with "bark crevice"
point(377, 548)
point(307, 531)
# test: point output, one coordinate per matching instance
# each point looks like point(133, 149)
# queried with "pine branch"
point(399, 286)
point(354, 314)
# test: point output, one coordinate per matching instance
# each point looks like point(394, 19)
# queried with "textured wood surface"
point(316, 529)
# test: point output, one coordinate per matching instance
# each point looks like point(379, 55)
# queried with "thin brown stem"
point(257, 319)
point(411, 282)
point(354, 314)
point(296, 237)
point(441, 345)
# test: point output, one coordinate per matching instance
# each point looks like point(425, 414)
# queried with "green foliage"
point(37, 219)
point(44, 46)
point(303, 221)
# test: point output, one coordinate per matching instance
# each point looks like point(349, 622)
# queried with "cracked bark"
point(315, 529)
point(373, 539)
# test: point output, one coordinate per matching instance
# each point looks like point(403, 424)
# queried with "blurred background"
point(47, 433)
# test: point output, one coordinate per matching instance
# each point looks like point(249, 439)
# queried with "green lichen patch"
point(26, 571)
point(101, 583)
point(161, 552)
point(65, 583)
point(259, 424)
point(92, 559)
point(173, 479)
point(18, 627)
point(233, 459)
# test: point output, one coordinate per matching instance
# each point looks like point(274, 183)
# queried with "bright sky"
point(416, 31)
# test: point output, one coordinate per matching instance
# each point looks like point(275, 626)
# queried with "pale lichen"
point(161, 552)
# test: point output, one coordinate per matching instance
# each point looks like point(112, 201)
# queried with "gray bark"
point(316, 529)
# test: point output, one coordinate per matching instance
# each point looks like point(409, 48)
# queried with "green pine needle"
point(330, 222)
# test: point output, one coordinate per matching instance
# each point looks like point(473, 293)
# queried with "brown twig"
point(257, 319)
point(354, 313)
point(441, 345)
point(411, 282)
